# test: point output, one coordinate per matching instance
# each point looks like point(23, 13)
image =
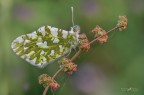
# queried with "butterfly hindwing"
point(42, 46)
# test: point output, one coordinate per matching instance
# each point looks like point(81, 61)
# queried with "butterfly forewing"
point(43, 46)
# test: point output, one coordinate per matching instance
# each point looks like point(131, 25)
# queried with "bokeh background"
point(113, 68)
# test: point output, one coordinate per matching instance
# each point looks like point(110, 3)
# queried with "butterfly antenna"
point(72, 16)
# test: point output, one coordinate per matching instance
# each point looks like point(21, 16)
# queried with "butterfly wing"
point(43, 46)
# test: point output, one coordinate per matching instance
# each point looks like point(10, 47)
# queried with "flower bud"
point(55, 86)
point(74, 69)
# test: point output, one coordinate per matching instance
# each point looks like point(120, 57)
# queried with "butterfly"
point(46, 44)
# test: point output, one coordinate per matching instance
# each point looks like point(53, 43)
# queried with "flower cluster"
point(100, 34)
point(67, 65)
point(122, 22)
point(84, 42)
point(46, 80)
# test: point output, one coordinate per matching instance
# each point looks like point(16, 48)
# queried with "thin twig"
point(45, 90)
point(56, 74)
point(76, 55)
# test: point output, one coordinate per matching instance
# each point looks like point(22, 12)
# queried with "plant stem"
point(45, 90)
point(56, 74)
point(76, 55)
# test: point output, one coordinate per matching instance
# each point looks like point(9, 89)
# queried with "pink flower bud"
point(55, 86)
point(74, 69)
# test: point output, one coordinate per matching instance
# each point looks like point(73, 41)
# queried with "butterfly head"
point(76, 28)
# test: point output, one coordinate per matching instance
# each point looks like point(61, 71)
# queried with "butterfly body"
point(45, 45)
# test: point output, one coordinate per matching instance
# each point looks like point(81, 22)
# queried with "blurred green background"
point(113, 68)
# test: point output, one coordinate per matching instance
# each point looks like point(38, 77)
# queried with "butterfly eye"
point(76, 28)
